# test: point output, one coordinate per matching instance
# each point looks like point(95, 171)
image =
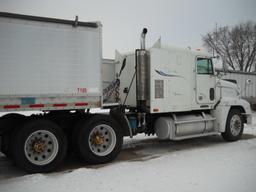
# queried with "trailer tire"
point(39, 146)
point(8, 124)
point(99, 140)
point(234, 126)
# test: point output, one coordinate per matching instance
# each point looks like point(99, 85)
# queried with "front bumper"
point(248, 118)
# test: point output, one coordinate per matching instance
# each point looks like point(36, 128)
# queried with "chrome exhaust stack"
point(142, 74)
point(143, 39)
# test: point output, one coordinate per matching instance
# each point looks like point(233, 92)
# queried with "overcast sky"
point(179, 22)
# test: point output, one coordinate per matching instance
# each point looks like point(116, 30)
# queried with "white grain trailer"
point(49, 65)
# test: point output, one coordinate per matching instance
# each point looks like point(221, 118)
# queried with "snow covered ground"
point(204, 164)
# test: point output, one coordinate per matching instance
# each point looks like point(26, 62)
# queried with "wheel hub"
point(236, 125)
point(102, 140)
point(39, 146)
point(98, 139)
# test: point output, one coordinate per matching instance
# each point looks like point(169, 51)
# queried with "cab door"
point(205, 81)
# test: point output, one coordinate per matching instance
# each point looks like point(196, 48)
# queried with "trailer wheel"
point(39, 146)
point(99, 140)
point(234, 126)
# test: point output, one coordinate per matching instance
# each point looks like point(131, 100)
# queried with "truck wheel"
point(99, 140)
point(39, 146)
point(234, 126)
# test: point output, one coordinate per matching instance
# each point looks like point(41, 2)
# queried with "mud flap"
point(118, 113)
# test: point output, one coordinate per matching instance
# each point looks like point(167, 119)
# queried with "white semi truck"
point(55, 66)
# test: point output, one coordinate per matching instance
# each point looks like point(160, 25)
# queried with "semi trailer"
point(55, 66)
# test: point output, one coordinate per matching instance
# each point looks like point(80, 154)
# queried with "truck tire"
point(234, 126)
point(99, 140)
point(39, 146)
point(8, 123)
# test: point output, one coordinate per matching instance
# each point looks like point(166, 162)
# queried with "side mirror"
point(122, 68)
point(219, 74)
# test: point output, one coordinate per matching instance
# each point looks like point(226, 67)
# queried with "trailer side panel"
point(49, 65)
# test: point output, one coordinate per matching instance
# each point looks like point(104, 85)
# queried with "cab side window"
point(204, 66)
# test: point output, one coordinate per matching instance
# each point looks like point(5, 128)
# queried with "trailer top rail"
point(50, 20)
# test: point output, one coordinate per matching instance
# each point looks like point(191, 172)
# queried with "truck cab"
point(180, 80)
point(184, 97)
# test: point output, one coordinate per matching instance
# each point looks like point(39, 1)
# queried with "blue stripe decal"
point(167, 75)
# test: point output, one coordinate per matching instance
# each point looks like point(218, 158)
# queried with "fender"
point(222, 110)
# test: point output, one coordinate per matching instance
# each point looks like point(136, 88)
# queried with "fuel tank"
point(183, 125)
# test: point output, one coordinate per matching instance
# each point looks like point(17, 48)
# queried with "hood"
point(229, 89)
point(226, 83)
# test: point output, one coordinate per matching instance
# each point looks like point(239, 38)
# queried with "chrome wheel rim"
point(41, 147)
point(235, 125)
point(102, 140)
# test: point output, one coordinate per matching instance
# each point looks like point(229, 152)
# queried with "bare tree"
point(236, 45)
